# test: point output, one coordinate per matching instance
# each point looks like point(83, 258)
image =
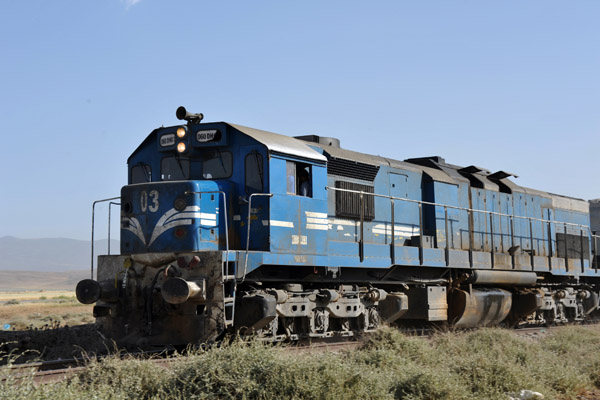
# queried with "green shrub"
point(63, 297)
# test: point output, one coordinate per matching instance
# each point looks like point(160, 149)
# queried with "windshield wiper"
point(259, 167)
point(221, 159)
point(180, 167)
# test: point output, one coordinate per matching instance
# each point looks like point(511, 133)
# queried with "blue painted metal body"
point(154, 223)
point(503, 229)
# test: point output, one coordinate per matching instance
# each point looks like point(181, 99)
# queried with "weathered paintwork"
point(447, 242)
point(504, 230)
point(145, 319)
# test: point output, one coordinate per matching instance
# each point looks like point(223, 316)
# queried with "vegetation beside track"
point(42, 309)
point(483, 364)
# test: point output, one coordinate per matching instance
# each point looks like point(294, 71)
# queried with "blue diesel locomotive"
point(226, 228)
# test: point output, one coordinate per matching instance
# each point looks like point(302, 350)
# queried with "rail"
point(470, 212)
point(93, 215)
point(248, 234)
point(595, 255)
point(112, 203)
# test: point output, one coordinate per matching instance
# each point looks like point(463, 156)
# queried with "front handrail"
point(93, 212)
point(112, 203)
point(248, 234)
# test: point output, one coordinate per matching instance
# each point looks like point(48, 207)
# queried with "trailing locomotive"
point(226, 228)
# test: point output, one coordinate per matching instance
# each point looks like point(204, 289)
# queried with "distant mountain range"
point(17, 281)
point(51, 255)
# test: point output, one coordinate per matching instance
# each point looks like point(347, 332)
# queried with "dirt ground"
point(32, 310)
point(38, 309)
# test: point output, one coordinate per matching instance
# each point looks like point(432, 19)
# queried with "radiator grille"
point(347, 205)
point(573, 246)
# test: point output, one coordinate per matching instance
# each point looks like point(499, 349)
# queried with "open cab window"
point(299, 179)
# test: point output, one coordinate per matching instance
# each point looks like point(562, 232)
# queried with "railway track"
point(57, 370)
point(43, 372)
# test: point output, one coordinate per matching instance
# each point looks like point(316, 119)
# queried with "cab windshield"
point(213, 164)
point(174, 169)
point(216, 164)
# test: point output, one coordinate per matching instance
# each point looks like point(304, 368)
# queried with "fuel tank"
point(479, 307)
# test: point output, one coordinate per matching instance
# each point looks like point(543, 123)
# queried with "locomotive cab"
point(211, 187)
point(205, 205)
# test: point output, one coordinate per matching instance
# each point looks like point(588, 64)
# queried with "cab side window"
point(254, 171)
point(299, 179)
point(290, 168)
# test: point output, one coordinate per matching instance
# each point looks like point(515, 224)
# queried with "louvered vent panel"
point(347, 204)
point(351, 169)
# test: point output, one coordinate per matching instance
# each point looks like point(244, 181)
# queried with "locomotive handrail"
point(427, 203)
point(226, 221)
point(248, 234)
point(93, 212)
point(112, 203)
point(471, 230)
point(595, 255)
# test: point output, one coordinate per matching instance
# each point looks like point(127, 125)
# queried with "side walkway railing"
point(594, 238)
point(595, 255)
point(470, 212)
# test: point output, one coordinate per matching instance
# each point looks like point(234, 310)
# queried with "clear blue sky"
point(508, 85)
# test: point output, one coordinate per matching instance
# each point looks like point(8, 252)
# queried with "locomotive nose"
point(172, 216)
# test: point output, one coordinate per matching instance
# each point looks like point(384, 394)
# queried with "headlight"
point(180, 204)
point(181, 147)
point(181, 132)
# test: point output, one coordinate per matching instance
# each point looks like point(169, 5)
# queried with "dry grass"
point(22, 310)
point(35, 295)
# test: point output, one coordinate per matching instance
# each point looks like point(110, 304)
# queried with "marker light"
point(181, 147)
point(181, 132)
